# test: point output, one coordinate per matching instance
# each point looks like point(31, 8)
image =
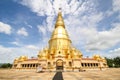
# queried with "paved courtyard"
point(109, 74)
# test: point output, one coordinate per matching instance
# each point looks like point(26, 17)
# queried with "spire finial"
point(60, 9)
point(59, 21)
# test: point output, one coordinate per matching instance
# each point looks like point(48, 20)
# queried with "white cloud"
point(45, 32)
point(40, 7)
point(42, 29)
point(115, 9)
point(50, 23)
point(4, 50)
point(48, 7)
point(105, 39)
point(82, 28)
point(5, 54)
point(114, 53)
point(22, 31)
point(116, 5)
point(15, 43)
point(81, 21)
point(76, 19)
point(28, 25)
point(5, 28)
point(9, 54)
point(32, 47)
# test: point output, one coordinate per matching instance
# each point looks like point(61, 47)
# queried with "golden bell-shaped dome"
point(103, 59)
point(97, 57)
point(60, 32)
point(16, 60)
point(42, 54)
point(23, 58)
point(77, 53)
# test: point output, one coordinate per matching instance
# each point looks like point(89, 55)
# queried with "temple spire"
point(59, 21)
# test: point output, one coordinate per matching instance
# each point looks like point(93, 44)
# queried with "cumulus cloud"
point(84, 27)
point(42, 29)
point(105, 39)
point(50, 8)
point(114, 53)
point(5, 28)
point(81, 20)
point(22, 31)
point(32, 47)
point(115, 9)
point(116, 5)
point(10, 53)
point(4, 50)
point(15, 43)
point(40, 7)
point(69, 7)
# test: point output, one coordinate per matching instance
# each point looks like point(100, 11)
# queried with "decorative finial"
point(60, 9)
point(59, 21)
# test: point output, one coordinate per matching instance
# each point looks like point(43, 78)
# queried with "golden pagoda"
point(60, 54)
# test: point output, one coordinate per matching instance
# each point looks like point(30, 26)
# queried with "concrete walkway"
point(109, 74)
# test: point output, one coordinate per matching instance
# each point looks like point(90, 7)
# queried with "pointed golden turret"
point(59, 21)
point(59, 38)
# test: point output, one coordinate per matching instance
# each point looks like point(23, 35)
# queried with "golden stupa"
point(60, 54)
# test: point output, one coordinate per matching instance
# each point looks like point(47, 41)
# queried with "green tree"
point(113, 62)
point(117, 61)
point(6, 65)
point(109, 62)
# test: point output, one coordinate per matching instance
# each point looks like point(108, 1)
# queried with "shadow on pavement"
point(58, 76)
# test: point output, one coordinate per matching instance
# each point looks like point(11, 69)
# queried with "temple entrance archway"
point(59, 64)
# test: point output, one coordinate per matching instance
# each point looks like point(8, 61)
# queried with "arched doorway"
point(59, 64)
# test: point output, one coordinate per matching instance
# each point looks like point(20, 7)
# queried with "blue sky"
point(26, 26)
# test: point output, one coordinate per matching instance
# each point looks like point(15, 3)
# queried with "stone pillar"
point(35, 65)
point(87, 65)
point(32, 65)
point(83, 64)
